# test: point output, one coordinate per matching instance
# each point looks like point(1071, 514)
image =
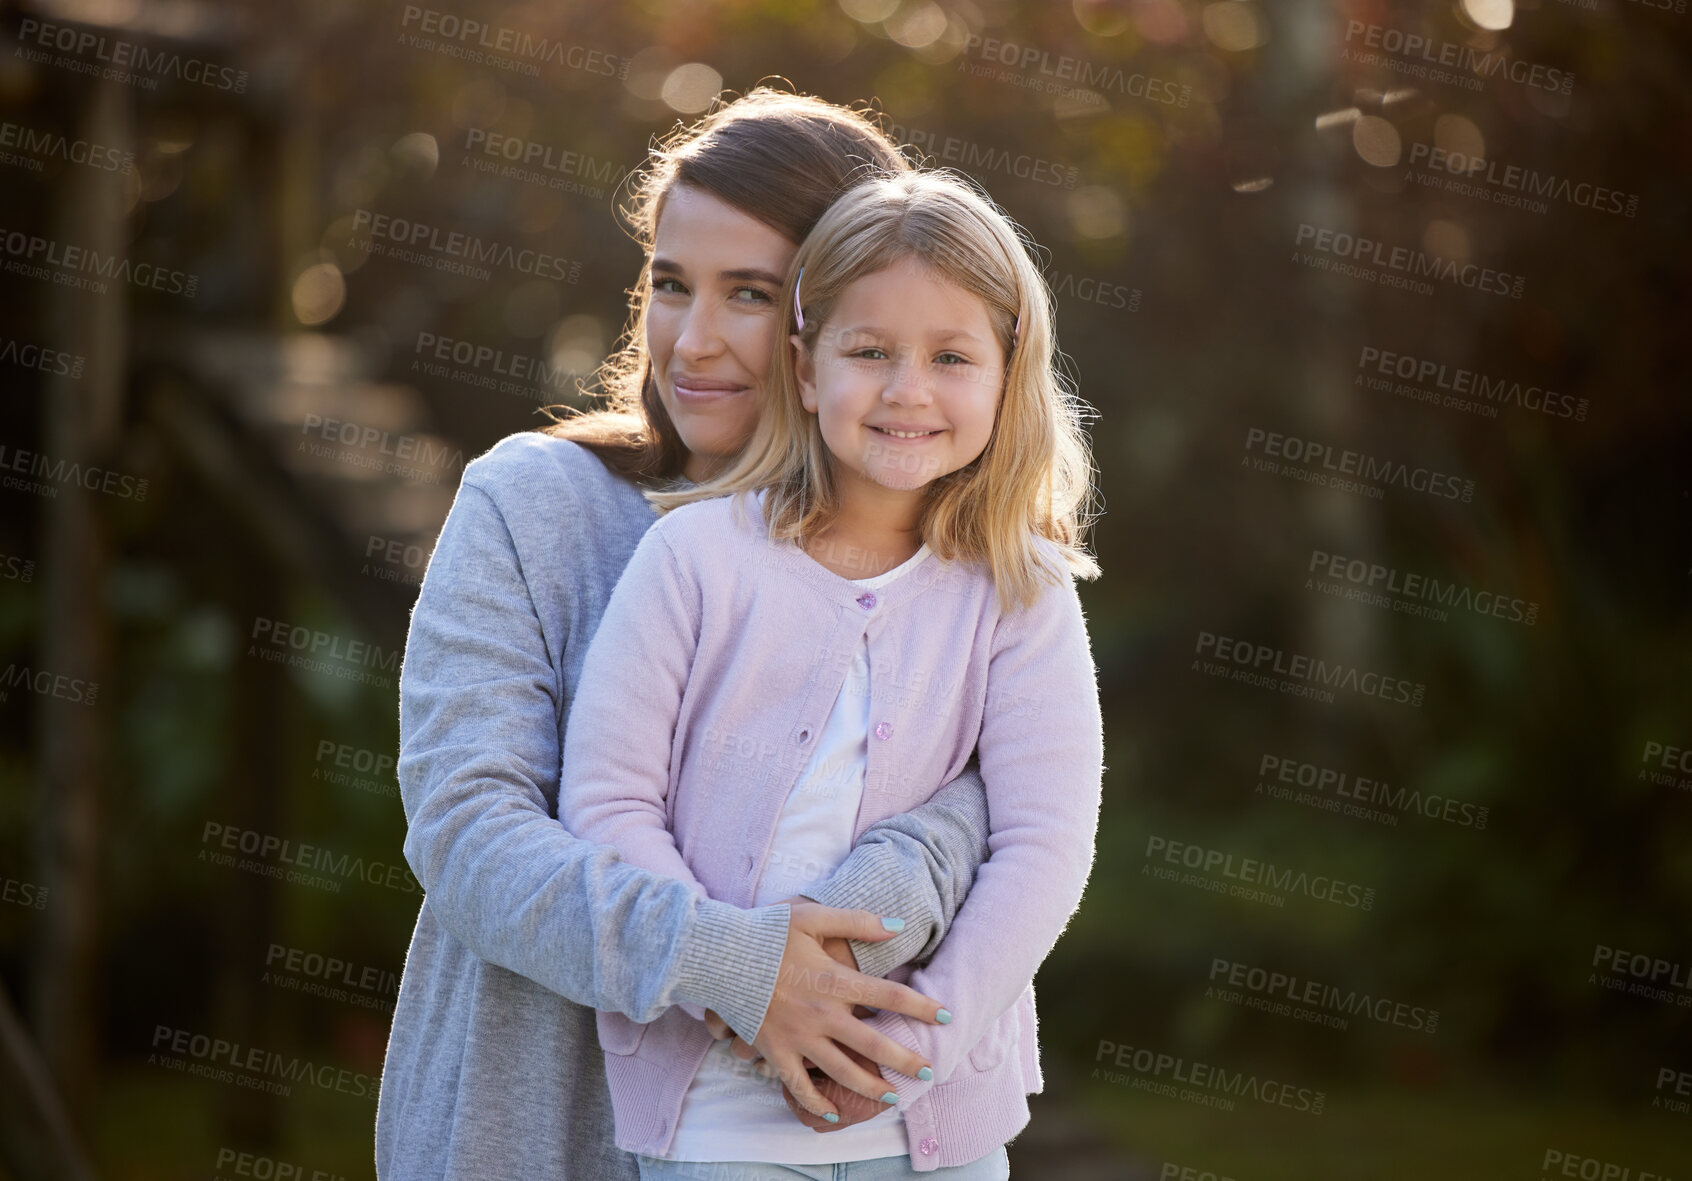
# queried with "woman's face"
point(713, 320)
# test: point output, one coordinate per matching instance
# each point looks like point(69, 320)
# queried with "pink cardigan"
point(718, 657)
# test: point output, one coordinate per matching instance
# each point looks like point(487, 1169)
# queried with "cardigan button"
point(883, 730)
point(867, 601)
point(929, 1146)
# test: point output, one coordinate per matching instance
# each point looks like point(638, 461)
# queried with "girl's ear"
point(805, 370)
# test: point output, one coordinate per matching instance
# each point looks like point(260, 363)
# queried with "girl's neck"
point(875, 530)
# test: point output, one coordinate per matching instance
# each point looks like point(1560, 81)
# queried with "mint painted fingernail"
point(890, 1097)
point(832, 1118)
point(926, 1075)
point(893, 925)
point(944, 1016)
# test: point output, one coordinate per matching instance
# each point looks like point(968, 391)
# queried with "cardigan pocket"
point(1004, 1033)
point(618, 1034)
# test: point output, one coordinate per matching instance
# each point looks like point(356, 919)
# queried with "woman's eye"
point(669, 286)
point(751, 295)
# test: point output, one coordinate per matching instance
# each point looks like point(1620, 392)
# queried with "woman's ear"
point(805, 371)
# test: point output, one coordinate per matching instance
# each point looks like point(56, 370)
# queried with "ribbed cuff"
point(876, 879)
point(729, 961)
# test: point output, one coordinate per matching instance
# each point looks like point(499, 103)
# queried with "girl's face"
point(712, 320)
point(905, 378)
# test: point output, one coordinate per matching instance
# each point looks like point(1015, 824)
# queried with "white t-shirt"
point(730, 1112)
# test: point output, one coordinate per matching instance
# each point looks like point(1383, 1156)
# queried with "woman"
point(492, 1066)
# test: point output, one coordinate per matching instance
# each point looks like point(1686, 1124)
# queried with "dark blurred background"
point(1429, 920)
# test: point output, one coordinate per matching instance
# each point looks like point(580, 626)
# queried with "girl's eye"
point(864, 354)
point(751, 295)
point(669, 286)
point(952, 359)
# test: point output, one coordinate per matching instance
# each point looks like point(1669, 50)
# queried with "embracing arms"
point(479, 751)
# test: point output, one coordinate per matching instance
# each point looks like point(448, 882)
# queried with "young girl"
point(889, 587)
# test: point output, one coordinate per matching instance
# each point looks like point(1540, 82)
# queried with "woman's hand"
point(811, 1020)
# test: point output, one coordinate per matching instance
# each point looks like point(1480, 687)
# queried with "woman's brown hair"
point(776, 156)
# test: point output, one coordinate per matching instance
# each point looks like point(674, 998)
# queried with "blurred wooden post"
point(81, 422)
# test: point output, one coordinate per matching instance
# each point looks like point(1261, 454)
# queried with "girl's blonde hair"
point(1033, 479)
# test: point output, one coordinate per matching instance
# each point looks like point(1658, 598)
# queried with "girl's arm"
point(622, 726)
point(1041, 751)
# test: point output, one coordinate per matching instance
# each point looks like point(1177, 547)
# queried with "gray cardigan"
point(493, 1068)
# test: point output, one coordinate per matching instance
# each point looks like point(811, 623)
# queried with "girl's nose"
point(909, 384)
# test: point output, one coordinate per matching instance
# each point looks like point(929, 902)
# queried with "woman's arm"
point(478, 740)
point(919, 865)
point(1041, 751)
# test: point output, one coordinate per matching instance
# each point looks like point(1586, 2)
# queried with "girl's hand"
point(810, 1019)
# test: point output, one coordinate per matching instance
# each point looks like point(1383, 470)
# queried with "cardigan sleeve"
point(479, 742)
point(1042, 757)
point(622, 726)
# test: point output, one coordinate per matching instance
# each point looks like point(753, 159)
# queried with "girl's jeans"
point(992, 1167)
